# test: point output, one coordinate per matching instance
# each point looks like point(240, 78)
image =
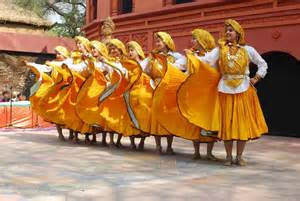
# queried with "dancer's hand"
point(101, 58)
point(254, 80)
point(187, 51)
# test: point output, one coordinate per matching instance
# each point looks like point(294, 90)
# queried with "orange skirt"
point(241, 116)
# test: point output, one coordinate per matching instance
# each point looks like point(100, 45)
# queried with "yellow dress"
point(59, 103)
point(51, 103)
point(139, 97)
point(235, 116)
point(141, 94)
point(165, 108)
point(241, 115)
point(87, 106)
point(39, 89)
point(72, 120)
point(113, 107)
point(198, 98)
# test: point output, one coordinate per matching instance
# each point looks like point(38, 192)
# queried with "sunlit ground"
point(34, 165)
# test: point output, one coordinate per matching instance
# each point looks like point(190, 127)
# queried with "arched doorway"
point(279, 93)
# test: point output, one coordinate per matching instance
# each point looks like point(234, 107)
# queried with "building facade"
point(271, 26)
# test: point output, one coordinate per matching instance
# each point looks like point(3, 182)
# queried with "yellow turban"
point(205, 39)
point(238, 28)
point(100, 47)
point(76, 54)
point(84, 41)
point(137, 48)
point(167, 39)
point(63, 51)
point(119, 44)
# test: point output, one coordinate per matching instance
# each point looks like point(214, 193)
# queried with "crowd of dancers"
point(203, 96)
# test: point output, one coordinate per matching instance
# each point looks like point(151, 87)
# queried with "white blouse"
point(77, 67)
point(180, 62)
point(42, 68)
point(212, 58)
point(103, 67)
point(120, 67)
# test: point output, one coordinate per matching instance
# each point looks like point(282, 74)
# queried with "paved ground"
point(34, 165)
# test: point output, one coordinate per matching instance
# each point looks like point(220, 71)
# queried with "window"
point(183, 1)
point(94, 9)
point(125, 6)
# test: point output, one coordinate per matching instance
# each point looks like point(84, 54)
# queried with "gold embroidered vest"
point(233, 66)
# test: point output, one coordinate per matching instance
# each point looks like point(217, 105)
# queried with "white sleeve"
point(122, 69)
point(68, 62)
point(100, 66)
point(257, 60)
point(78, 67)
point(144, 65)
point(40, 67)
point(107, 68)
point(180, 60)
point(211, 57)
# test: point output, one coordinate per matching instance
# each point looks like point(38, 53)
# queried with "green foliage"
point(37, 6)
point(72, 13)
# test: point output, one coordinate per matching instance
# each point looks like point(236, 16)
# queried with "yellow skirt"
point(51, 104)
point(35, 99)
point(165, 107)
point(198, 98)
point(87, 105)
point(241, 116)
point(72, 120)
point(141, 95)
point(114, 110)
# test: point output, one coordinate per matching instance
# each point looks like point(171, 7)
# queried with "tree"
point(72, 13)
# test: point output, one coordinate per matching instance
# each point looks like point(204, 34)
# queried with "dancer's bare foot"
point(61, 137)
point(240, 161)
point(87, 139)
point(76, 139)
point(71, 136)
point(196, 156)
point(228, 161)
point(94, 140)
point(119, 145)
point(111, 145)
point(133, 147)
point(159, 150)
point(104, 143)
point(170, 151)
point(141, 146)
point(211, 157)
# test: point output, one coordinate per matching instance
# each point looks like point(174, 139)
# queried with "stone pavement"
point(34, 165)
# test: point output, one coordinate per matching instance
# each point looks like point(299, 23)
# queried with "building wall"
point(144, 6)
point(268, 23)
point(28, 43)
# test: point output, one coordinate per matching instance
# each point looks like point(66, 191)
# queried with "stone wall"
point(13, 72)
